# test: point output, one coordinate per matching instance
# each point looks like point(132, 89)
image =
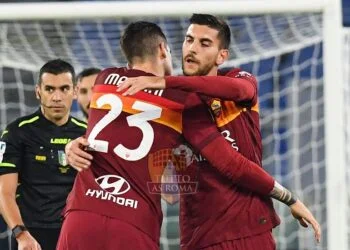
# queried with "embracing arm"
point(249, 175)
point(236, 167)
point(205, 138)
point(244, 172)
point(200, 131)
point(237, 87)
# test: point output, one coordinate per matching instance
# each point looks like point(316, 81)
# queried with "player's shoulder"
point(123, 71)
point(238, 73)
point(114, 70)
point(77, 123)
point(115, 75)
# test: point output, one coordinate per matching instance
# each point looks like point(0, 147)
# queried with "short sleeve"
point(10, 150)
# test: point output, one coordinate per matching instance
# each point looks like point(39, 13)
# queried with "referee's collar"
point(49, 123)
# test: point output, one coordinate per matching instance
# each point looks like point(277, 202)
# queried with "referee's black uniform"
point(34, 148)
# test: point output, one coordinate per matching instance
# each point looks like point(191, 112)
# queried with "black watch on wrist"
point(17, 230)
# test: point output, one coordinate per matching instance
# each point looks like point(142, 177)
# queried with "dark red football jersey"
point(132, 138)
point(135, 139)
point(221, 210)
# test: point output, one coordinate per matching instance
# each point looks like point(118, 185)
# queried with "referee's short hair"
point(56, 67)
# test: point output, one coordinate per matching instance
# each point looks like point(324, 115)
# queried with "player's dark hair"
point(88, 72)
point(140, 40)
point(214, 23)
point(56, 67)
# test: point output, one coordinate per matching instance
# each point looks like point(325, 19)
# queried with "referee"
point(34, 176)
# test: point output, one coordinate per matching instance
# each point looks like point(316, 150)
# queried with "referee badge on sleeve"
point(2, 150)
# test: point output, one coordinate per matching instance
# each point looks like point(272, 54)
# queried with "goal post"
point(334, 87)
point(295, 48)
point(346, 95)
point(87, 10)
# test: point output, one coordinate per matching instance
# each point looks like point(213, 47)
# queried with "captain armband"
point(282, 194)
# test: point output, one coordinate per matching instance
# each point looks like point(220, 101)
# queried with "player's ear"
point(222, 56)
point(37, 92)
point(75, 91)
point(163, 50)
point(129, 65)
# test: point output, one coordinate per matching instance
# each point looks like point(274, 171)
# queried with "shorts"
point(257, 242)
point(84, 230)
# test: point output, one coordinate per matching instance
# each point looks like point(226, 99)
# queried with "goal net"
point(284, 51)
point(346, 69)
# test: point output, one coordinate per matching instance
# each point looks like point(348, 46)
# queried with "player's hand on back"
point(77, 157)
point(27, 242)
point(132, 85)
point(305, 217)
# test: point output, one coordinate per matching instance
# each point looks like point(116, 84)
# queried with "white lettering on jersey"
point(113, 186)
point(99, 194)
point(115, 79)
point(226, 134)
point(244, 74)
point(139, 120)
point(2, 150)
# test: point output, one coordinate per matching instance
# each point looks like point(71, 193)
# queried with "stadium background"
point(275, 74)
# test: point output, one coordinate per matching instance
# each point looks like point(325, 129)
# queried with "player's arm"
point(203, 135)
point(77, 156)
point(9, 167)
point(240, 170)
point(200, 131)
point(237, 86)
